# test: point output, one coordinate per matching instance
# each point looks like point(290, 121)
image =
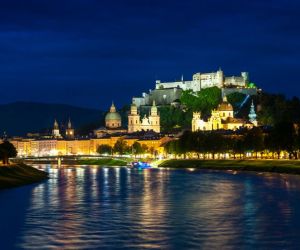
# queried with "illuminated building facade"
point(56, 144)
point(167, 93)
point(113, 124)
point(55, 130)
point(135, 123)
point(221, 118)
point(54, 147)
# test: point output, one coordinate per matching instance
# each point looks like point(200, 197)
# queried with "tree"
point(185, 142)
point(199, 142)
point(146, 149)
point(238, 146)
point(104, 149)
point(297, 140)
point(204, 101)
point(283, 137)
point(214, 143)
point(137, 148)
point(236, 99)
point(172, 147)
point(7, 150)
point(121, 146)
point(254, 140)
point(174, 117)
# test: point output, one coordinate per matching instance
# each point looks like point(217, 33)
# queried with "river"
point(120, 208)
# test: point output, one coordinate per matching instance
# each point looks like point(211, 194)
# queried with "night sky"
point(88, 53)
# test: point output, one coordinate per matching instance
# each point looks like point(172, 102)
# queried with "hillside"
point(270, 108)
point(20, 118)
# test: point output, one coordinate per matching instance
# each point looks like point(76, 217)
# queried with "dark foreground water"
point(108, 208)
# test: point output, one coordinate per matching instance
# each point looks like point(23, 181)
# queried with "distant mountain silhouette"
point(19, 118)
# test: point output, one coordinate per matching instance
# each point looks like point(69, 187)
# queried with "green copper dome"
point(112, 116)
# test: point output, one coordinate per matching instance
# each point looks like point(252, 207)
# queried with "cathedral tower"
point(154, 119)
point(133, 119)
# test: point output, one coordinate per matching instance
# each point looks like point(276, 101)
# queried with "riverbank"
point(20, 174)
point(272, 166)
point(107, 161)
point(103, 162)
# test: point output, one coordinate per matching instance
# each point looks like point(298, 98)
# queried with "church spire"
point(70, 131)
point(153, 111)
point(55, 130)
point(112, 108)
point(69, 124)
point(252, 115)
point(55, 126)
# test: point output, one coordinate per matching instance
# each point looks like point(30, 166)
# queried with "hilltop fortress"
point(168, 93)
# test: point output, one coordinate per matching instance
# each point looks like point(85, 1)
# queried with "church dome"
point(113, 118)
point(225, 105)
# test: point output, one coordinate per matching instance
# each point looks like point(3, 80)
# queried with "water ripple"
point(107, 208)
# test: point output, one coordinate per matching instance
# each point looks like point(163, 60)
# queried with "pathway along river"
point(120, 208)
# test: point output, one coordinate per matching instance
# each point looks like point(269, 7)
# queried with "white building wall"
point(206, 80)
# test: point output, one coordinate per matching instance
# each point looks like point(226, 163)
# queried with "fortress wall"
point(250, 91)
point(164, 96)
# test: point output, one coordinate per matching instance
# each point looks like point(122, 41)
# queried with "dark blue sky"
point(87, 53)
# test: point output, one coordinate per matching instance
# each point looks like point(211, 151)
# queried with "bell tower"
point(134, 122)
point(252, 115)
point(70, 130)
point(55, 130)
point(154, 119)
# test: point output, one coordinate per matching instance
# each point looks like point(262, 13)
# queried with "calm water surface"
point(120, 208)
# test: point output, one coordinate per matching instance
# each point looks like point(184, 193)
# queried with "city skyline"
point(90, 54)
point(149, 124)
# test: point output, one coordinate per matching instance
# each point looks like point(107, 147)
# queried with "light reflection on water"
point(93, 207)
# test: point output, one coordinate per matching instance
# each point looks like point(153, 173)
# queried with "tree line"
point(121, 147)
point(262, 142)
